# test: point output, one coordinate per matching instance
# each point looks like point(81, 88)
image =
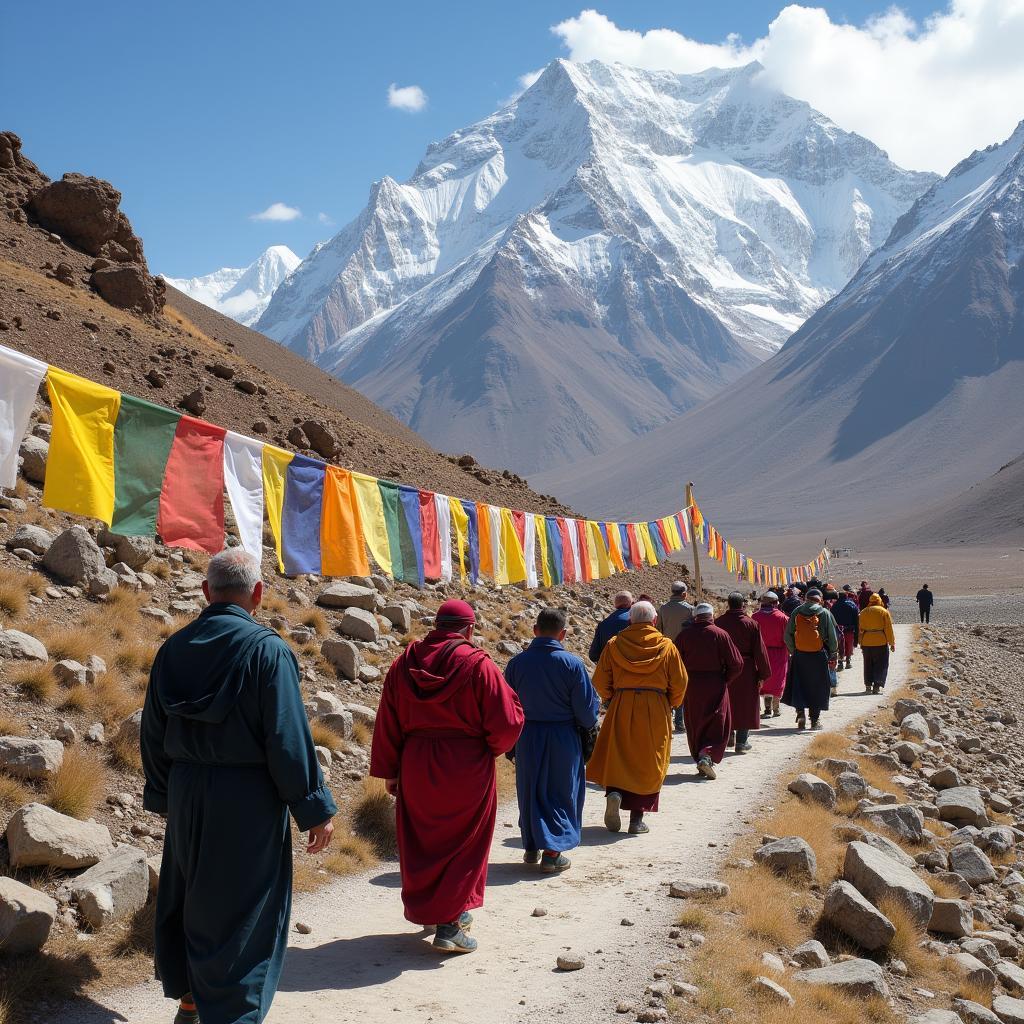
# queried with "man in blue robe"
point(558, 700)
point(227, 754)
point(611, 625)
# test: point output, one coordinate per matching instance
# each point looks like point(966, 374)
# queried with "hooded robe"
point(445, 714)
point(227, 754)
point(744, 690)
point(712, 663)
point(642, 678)
point(558, 700)
point(772, 623)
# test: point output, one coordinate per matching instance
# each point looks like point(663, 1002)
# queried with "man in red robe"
point(445, 714)
point(712, 662)
point(745, 689)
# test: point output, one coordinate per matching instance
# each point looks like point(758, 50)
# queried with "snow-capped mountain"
point(906, 386)
point(607, 250)
point(241, 293)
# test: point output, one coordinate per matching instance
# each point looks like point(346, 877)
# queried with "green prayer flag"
point(394, 520)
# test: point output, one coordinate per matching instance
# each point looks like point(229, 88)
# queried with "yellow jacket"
point(641, 674)
point(876, 625)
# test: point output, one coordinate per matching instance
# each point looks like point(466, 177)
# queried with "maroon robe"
point(445, 714)
point(745, 689)
point(711, 661)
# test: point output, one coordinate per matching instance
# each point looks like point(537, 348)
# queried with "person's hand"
point(391, 785)
point(320, 837)
point(833, 662)
point(893, 648)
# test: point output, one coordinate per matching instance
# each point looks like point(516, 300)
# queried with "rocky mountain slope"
point(901, 391)
point(604, 252)
point(242, 293)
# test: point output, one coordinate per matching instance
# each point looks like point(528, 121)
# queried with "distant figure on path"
point(558, 701)
point(227, 754)
point(642, 678)
point(745, 689)
point(712, 663)
point(790, 602)
point(876, 641)
point(846, 612)
point(813, 645)
point(925, 600)
point(612, 625)
point(864, 594)
point(772, 623)
point(885, 597)
point(445, 714)
point(672, 616)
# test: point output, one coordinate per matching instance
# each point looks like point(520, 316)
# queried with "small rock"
point(302, 928)
point(772, 991)
point(811, 954)
point(571, 962)
point(698, 888)
point(810, 787)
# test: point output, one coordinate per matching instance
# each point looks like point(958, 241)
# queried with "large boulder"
point(789, 856)
point(971, 1012)
point(1008, 1009)
point(344, 656)
point(26, 758)
point(321, 440)
point(39, 836)
point(849, 912)
point(359, 624)
point(851, 786)
point(347, 595)
point(128, 286)
point(361, 713)
point(962, 805)
point(130, 730)
point(945, 777)
point(34, 452)
point(971, 864)
point(810, 787)
point(399, 615)
point(904, 820)
point(134, 552)
point(915, 728)
point(952, 917)
point(973, 971)
point(114, 888)
point(862, 979)
point(26, 917)
point(75, 557)
point(879, 878)
point(1010, 976)
point(20, 646)
point(32, 538)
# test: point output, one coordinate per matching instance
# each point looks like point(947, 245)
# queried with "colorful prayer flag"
point(20, 377)
point(243, 480)
point(342, 548)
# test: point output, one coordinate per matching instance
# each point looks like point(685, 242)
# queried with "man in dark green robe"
point(227, 753)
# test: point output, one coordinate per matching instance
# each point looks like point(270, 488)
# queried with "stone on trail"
point(952, 917)
point(359, 624)
point(39, 836)
point(849, 912)
point(113, 889)
point(539, 912)
point(1008, 1009)
point(904, 820)
point(810, 787)
point(861, 979)
point(571, 962)
point(971, 864)
point(20, 646)
point(879, 877)
point(791, 855)
point(772, 991)
point(347, 595)
point(26, 917)
point(698, 888)
point(26, 758)
point(963, 806)
point(302, 928)
point(811, 954)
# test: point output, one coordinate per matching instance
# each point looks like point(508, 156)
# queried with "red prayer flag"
point(568, 565)
point(635, 557)
point(191, 513)
point(431, 537)
point(581, 534)
point(519, 522)
point(663, 534)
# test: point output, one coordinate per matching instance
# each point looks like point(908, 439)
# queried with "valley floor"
point(362, 961)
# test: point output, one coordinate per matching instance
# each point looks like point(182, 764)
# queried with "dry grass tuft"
point(307, 876)
point(13, 794)
point(325, 736)
point(11, 726)
point(814, 824)
point(77, 787)
point(78, 698)
point(35, 680)
point(315, 619)
point(977, 992)
point(349, 855)
point(906, 945)
point(74, 642)
point(160, 569)
point(875, 775)
point(943, 889)
point(829, 744)
point(373, 818)
point(124, 753)
point(767, 905)
point(13, 593)
point(362, 733)
point(693, 916)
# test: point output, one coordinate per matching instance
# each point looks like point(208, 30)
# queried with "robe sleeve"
point(829, 635)
point(155, 763)
point(386, 749)
point(586, 706)
point(502, 714)
point(291, 755)
point(889, 635)
point(762, 666)
point(789, 637)
point(597, 644)
point(603, 676)
point(732, 660)
point(677, 678)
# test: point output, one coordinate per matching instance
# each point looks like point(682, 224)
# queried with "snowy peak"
point(242, 293)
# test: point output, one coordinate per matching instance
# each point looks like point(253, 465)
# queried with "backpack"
point(806, 636)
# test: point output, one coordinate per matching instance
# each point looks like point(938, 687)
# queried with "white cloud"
point(525, 81)
point(278, 211)
point(410, 98)
point(928, 93)
point(324, 218)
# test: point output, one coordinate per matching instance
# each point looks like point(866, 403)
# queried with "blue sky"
point(203, 114)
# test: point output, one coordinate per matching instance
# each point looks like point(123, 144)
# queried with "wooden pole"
point(698, 590)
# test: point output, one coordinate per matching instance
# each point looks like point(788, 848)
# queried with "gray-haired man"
point(227, 754)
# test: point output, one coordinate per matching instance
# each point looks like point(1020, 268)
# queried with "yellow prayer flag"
point(600, 565)
point(80, 466)
point(643, 532)
point(371, 512)
point(275, 472)
point(513, 558)
point(460, 522)
point(615, 547)
point(672, 530)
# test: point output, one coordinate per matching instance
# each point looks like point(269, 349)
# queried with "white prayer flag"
point(243, 480)
point(20, 377)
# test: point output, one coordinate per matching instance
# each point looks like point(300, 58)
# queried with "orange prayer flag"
point(342, 550)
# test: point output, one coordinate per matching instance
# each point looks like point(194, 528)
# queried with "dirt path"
point(363, 962)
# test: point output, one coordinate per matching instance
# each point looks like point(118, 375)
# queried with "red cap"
point(455, 614)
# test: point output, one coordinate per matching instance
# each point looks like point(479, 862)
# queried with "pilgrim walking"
point(772, 622)
point(745, 688)
point(813, 644)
